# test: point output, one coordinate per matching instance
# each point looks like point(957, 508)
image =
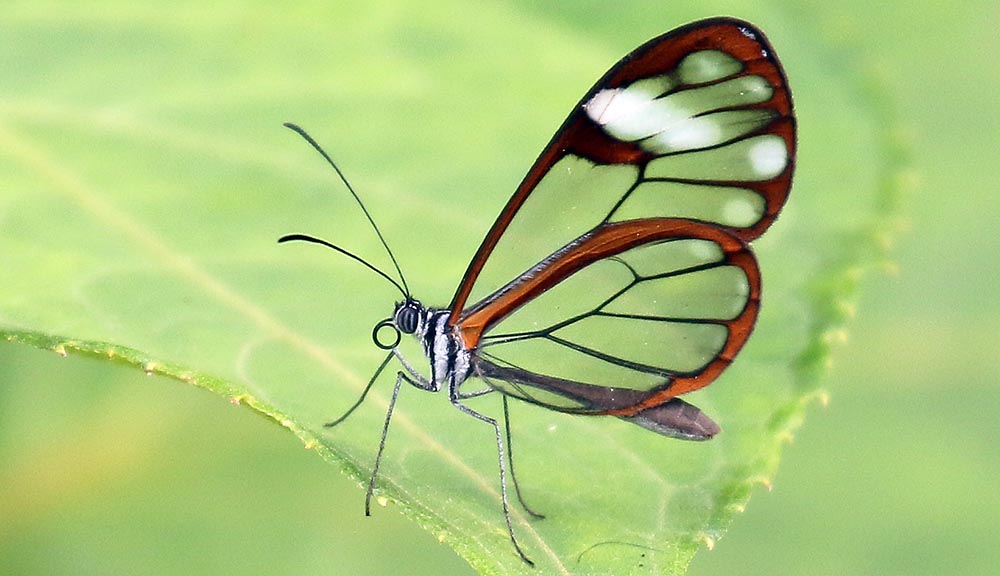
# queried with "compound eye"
point(407, 318)
point(380, 329)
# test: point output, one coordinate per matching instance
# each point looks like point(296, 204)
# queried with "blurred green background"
point(103, 466)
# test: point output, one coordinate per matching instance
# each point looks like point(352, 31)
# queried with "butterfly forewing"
point(620, 261)
point(694, 124)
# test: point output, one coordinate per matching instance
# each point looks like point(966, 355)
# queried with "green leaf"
point(146, 179)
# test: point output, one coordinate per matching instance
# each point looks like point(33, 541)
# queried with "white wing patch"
point(768, 157)
point(749, 160)
point(727, 205)
point(706, 66)
point(700, 104)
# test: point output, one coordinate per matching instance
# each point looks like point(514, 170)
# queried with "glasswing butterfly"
point(618, 276)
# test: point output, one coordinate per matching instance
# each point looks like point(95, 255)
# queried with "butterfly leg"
point(456, 400)
point(510, 444)
point(415, 379)
point(510, 460)
point(400, 378)
point(364, 393)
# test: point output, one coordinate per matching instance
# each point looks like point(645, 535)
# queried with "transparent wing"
point(695, 124)
point(626, 318)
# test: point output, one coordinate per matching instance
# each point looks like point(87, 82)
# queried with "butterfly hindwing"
point(657, 307)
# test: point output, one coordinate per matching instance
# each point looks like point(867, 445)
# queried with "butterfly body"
point(450, 361)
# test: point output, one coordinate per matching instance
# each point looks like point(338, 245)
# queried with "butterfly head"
point(406, 318)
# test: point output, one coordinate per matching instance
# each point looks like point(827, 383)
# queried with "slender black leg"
point(510, 459)
point(364, 393)
point(400, 377)
point(416, 380)
point(455, 400)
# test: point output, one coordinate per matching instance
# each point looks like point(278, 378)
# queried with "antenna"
point(402, 288)
point(304, 238)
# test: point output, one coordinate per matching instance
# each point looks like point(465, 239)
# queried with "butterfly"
point(618, 276)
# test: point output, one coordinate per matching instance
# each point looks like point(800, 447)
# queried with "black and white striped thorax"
point(451, 362)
